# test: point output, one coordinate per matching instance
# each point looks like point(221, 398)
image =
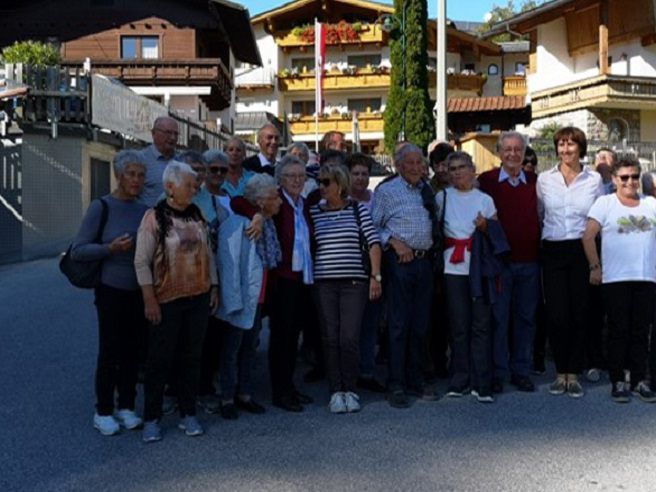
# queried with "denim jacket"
point(240, 273)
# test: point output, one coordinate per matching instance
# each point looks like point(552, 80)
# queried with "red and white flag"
point(319, 61)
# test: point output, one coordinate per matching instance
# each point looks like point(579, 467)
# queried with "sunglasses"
point(625, 177)
point(218, 170)
point(325, 182)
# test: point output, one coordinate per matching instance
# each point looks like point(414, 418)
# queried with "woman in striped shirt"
point(343, 280)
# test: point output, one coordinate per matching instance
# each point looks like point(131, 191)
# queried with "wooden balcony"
point(368, 122)
point(194, 72)
point(369, 35)
point(363, 79)
point(514, 85)
point(602, 91)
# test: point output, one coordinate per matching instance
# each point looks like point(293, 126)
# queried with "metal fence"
point(645, 151)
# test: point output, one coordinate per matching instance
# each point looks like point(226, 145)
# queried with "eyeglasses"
point(325, 182)
point(294, 176)
point(625, 177)
point(169, 133)
point(453, 169)
point(218, 170)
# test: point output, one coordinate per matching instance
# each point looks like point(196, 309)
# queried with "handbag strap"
point(364, 244)
point(104, 214)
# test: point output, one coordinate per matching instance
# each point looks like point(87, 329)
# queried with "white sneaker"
point(337, 403)
point(352, 402)
point(128, 419)
point(106, 424)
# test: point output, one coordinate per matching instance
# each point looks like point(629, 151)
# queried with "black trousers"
point(471, 336)
point(566, 291)
point(290, 301)
point(121, 326)
point(181, 333)
point(211, 360)
point(630, 307)
point(340, 305)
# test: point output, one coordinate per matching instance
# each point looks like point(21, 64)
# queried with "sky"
point(467, 10)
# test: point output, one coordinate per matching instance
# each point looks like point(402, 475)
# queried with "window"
point(100, 178)
point(520, 68)
point(299, 63)
point(361, 105)
point(304, 108)
point(493, 69)
point(361, 61)
point(470, 66)
point(133, 47)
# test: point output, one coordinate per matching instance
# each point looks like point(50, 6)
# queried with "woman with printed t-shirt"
point(627, 222)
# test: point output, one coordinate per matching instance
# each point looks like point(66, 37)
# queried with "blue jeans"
point(518, 300)
point(369, 337)
point(238, 355)
point(409, 293)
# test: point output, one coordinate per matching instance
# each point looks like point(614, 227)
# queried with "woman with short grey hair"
point(244, 265)
point(300, 150)
point(108, 233)
point(176, 271)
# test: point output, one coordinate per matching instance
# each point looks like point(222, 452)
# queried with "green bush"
point(32, 53)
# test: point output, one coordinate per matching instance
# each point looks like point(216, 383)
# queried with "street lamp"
point(390, 23)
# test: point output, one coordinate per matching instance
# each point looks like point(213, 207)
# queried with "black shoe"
point(620, 392)
point(538, 366)
point(288, 403)
point(370, 383)
point(398, 399)
point(522, 383)
point(314, 375)
point(302, 398)
point(250, 406)
point(229, 411)
point(497, 386)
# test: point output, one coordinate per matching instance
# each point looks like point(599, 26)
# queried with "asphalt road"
point(522, 442)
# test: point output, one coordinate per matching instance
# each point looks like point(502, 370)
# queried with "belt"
point(419, 253)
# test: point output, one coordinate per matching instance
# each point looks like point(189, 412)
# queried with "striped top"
point(338, 254)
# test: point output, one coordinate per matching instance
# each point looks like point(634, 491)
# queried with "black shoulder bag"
point(437, 226)
point(85, 274)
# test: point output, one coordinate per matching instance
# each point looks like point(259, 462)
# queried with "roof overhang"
point(379, 8)
point(527, 21)
point(236, 21)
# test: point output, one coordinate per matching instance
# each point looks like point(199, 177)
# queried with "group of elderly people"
point(197, 249)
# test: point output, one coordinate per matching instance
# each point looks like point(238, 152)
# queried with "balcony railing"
point(254, 78)
point(596, 91)
point(465, 82)
point(368, 122)
point(333, 80)
point(514, 85)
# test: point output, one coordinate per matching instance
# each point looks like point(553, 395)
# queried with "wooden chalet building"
point(180, 53)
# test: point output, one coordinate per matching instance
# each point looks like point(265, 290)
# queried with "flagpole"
point(318, 73)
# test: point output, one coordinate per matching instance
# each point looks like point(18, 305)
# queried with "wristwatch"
point(377, 277)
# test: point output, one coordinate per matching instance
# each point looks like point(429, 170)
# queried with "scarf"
point(301, 256)
point(268, 247)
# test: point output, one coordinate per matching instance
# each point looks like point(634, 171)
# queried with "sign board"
point(116, 108)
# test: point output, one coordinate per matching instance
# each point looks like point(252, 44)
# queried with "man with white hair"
point(268, 139)
point(157, 156)
point(405, 224)
point(515, 198)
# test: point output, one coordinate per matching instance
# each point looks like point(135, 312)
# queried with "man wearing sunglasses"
point(157, 156)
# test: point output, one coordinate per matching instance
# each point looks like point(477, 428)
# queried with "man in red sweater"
point(514, 195)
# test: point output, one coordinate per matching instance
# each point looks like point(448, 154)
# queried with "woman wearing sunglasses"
point(626, 220)
point(342, 283)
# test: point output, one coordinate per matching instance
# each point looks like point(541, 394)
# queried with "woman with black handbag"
point(121, 321)
point(344, 279)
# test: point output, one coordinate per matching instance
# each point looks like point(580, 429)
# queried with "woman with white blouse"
point(565, 194)
point(626, 220)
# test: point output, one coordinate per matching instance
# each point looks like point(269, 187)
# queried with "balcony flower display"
point(342, 32)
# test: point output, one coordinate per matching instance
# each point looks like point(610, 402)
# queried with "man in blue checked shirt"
point(405, 228)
